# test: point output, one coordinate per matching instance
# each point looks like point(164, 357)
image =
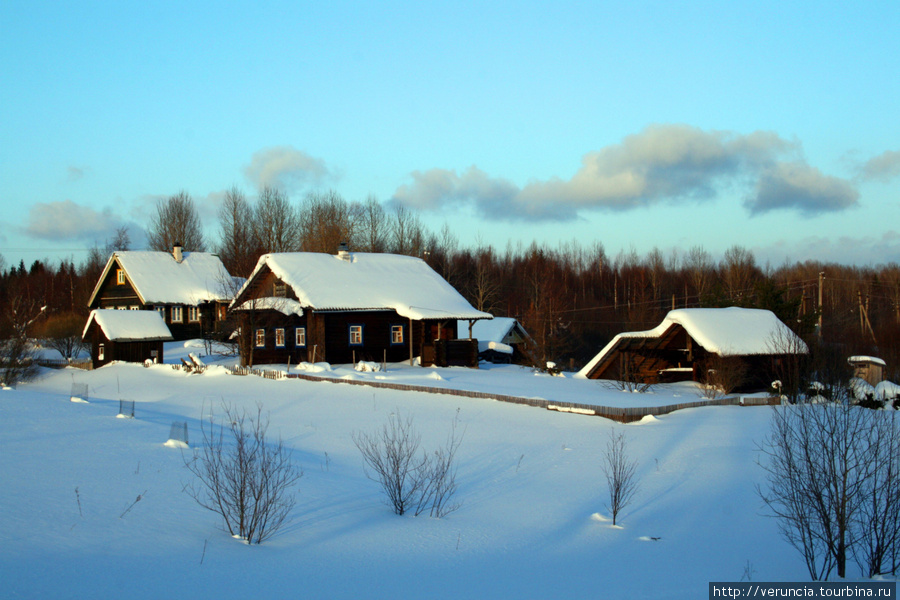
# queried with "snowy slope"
point(530, 525)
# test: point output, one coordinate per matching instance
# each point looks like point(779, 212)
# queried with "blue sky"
point(772, 125)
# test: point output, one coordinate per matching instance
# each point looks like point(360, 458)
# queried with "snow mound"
point(861, 388)
point(647, 419)
point(436, 376)
point(366, 366)
point(318, 367)
point(77, 399)
point(887, 390)
point(600, 518)
point(176, 444)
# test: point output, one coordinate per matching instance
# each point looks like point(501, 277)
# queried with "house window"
point(280, 290)
point(260, 338)
point(133, 307)
point(300, 337)
point(120, 276)
point(194, 314)
point(396, 334)
point(101, 352)
point(279, 337)
point(162, 312)
point(177, 314)
point(356, 335)
point(223, 312)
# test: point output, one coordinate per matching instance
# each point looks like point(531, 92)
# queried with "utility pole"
point(821, 286)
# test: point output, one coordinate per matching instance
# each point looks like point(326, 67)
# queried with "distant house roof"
point(159, 279)
point(129, 325)
point(495, 334)
point(365, 281)
point(729, 331)
point(866, 359)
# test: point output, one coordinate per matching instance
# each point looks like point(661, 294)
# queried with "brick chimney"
point(176, 252)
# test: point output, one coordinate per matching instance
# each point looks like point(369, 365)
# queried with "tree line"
point(572, 297)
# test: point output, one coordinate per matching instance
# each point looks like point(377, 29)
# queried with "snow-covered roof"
point(367, 281)
point(729, 331)
point(159, 279)
point(866, 359)
point(494, 330)
point(129, 325)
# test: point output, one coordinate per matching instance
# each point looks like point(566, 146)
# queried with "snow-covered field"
point(533, 521)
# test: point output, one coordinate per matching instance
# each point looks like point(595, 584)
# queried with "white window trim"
point(193, 314)
point(177, 314)
point(300, 337)
point(260, 333)
point(279, 334)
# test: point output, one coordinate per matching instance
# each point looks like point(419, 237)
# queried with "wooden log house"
point(130, 336)
point(316, 307)
point(189, 290)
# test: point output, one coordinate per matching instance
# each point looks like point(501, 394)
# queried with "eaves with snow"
point(359, 281)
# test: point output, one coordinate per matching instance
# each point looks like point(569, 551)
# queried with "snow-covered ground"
point(533, 521)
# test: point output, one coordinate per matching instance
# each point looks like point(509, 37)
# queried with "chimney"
point(176, 252)
point(344, 252)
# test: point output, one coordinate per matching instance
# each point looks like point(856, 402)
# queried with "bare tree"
point(738, 272)
point(176, 221)
point(326, 220)
point(372, 226)
point(238, 247)
point(827, 482)
point(412, 481)
point(247, 480)
point(276, 223)
point(700, 269)
point(620, 471)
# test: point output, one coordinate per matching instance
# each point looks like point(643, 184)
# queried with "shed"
point(679, 348)
point(126, 335)
point(500, 340)
point(868, 368)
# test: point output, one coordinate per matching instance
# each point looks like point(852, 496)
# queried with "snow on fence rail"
point(626, 414)
point(61, 363)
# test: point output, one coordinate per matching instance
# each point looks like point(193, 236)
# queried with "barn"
point(500, 340)
point(310, 307)
point(125, 335)
point(682, 347)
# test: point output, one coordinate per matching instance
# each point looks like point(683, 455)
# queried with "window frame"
point(177, 314)
point(260, 335)
point(352, 330)
point(279, 333)
point(120, 277)
point(402, 330)
point(101, 351)
point(300, 337)
point(193, 314)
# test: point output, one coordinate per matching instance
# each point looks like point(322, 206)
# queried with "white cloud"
point(662, 163)
point(285, 168)
point(67, 220)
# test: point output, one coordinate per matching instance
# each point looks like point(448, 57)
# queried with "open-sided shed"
point(126, 335)
point(680, 348)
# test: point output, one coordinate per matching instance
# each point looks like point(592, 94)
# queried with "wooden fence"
point(622, 414)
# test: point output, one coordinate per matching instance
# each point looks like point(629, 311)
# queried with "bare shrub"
point(16, 361)
point(629, 378)
point(243, 477)
point(620, 472)
point(413, 481)
point(723, 374)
